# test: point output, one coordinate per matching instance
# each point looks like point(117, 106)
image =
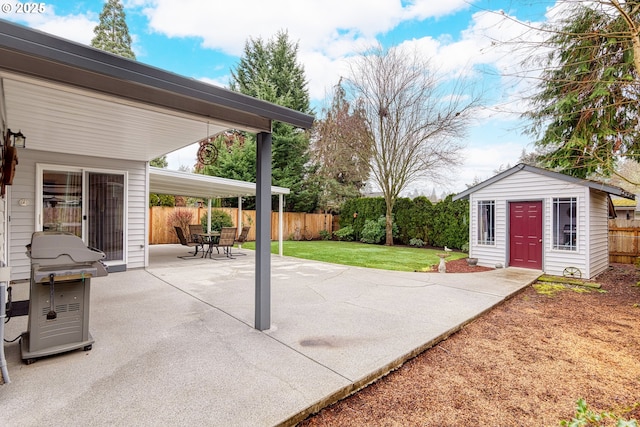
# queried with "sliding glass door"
point(105, 213)
point(88, 203)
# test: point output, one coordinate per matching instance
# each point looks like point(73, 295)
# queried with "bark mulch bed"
point(526, 362)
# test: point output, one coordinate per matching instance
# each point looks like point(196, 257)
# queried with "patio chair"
point(226, 240)
point(185, 242)
point(241, 239)
point(194, 232)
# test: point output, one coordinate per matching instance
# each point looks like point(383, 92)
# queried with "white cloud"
point(329, 32)
point(482, 161)
point(76, 27)
point(183, 158)
point(422, 9)
point(227, 25)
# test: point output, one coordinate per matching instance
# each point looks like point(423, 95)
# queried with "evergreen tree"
point(270, 71)
point(236, 159)
point(112, 33)
point(160, 162)
point(342, 150)
point(586, 108)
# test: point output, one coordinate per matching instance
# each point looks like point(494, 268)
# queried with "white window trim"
point(480, 203)
point(554, 246)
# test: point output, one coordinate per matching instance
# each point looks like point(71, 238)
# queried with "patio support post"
point(209, 216)
point(280, 220)
point(239, 216)
point(263, 232)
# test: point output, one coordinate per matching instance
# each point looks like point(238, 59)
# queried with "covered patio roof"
point(66, 97)
point(165, 181)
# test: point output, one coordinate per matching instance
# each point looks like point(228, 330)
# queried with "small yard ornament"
point(442, 267)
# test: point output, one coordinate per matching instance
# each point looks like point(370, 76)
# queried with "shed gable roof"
point(595, 185)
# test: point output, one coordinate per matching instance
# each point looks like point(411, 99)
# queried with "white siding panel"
point(137, 216)
point(557, 260)
point(598, 233)
point(488, 255)
point(23, 221)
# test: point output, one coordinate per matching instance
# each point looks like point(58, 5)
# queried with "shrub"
point(161, 200)
point(365, 208)
point(180, 218)
point(587, 417)
point(416, 242)
point(219, 219)
point(373, 231)
point(325, 235)
point(345, 233)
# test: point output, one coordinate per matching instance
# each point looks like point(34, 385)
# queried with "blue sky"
point(203, 39)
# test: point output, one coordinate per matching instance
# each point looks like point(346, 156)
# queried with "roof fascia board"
point(75, 64)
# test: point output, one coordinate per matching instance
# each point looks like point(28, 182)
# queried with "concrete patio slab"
point(175, 343)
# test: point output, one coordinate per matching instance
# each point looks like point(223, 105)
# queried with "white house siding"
point(528, 186)
point(22, 219)
point(599, 233)
point(488, 255)
point(556, 260)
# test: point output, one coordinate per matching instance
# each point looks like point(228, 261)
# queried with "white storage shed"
point(535, 218)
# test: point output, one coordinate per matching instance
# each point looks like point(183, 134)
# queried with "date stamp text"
point(23, 8)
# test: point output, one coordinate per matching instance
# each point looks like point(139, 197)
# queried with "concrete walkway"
point(175, 344)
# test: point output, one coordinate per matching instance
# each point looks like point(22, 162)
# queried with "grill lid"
point(60, 248)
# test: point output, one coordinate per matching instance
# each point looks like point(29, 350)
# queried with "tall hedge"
point(366, 208)
point(412, 217)
point(442, 224)
point(450, 223)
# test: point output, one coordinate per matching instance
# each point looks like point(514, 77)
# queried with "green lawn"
point(400, 258)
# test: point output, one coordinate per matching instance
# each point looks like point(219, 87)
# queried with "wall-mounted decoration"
point(11, 141)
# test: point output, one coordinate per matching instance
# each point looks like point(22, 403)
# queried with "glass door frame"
point(39, 214)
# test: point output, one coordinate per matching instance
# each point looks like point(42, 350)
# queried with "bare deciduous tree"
point(415, 119)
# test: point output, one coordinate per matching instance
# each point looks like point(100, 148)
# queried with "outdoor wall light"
point(19, 140)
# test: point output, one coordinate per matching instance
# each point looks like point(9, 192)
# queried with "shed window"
point(486, 222)
point(565, 214)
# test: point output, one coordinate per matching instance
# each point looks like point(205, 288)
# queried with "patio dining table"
point(209, 239)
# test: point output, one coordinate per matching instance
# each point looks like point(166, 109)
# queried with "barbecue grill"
point(61, 270)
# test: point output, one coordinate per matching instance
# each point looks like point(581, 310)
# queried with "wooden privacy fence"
point(623, 240)
point(160, 231)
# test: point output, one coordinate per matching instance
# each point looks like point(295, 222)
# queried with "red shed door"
point(525, 235)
